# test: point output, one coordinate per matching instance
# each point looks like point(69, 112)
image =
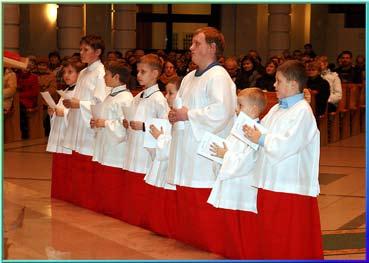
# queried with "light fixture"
point(51, 12)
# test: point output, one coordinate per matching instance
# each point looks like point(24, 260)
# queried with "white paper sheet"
point(149, 140)
point(178, 104)
point(237, 131)
point(97, 111)
point(128, 113)
point(204, 146)
point(63, 94)
point(49, 100)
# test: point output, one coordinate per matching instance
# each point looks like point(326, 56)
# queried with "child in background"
point(110, 140)
point(232, 190)
point(148, 104)
point(162, 210)
point(287, 172)
point(60, 188)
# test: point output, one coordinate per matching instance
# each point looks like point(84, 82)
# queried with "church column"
point(279, 24)
point(124, 27)
point(11, 27)
point(70, 28)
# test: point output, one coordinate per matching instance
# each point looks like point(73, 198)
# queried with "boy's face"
point(284, 88)
point(70, 75)
point(146, 76)
point(110, 80)
point(171, 93)
point(88, 54)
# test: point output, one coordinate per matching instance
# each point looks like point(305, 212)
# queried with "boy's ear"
point(157, 73)
point(98, 52)
point(116, 77)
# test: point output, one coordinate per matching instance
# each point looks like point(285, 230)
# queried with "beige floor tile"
point(340, 212)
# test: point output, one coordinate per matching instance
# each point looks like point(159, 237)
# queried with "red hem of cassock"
point(289, 226)
point(199, 223)
point(161, 211)
point(108, 185)
point(135, 203)
point(61, 177)
point(83, 169)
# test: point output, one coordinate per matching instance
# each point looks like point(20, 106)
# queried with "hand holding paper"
point(217, 150)
point(251, 133)
point(205, 145)
point(238, 130)
point(149, 140)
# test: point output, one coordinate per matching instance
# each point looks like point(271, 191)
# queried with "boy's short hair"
point(294, 70)
point(153, 61)
point(120, 68)
point(213, 35)
point(74, 63)
point(176, 82)
point(255, 96)
point(95, 41)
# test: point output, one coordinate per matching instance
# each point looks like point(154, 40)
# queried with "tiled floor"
point(55, 229)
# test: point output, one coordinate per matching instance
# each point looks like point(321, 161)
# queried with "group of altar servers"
point(257, 204)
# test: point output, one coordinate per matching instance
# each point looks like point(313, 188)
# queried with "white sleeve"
point(115, 127)
point(237, 164)
point(216, 115)
point(100, 90)
point(299, 129)
point(163, 146)
point(85, 109)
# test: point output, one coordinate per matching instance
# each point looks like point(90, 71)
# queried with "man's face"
point(231, 67)
point(346, 60)
point(200, 49)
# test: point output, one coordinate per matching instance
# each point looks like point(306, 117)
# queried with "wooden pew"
point(271, 101)
point(354, 91)
point(12, 122)
point(344, 114)
point(362, 107)
point(322, 120)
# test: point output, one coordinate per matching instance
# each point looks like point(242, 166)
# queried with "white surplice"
point(233, 187)
point(152, 104)
point(157, 174)
point(90, 89)
point(211, 102)
point(289, 160)
point(110, 141)
point(58, 126)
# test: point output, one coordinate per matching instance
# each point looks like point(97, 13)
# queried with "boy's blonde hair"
point(176, 82)
point(153, 61)
point(254, 96)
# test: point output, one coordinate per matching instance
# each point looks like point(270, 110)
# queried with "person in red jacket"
point(28, 88)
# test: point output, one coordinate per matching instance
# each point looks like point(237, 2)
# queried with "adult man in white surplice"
point(208, 96)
